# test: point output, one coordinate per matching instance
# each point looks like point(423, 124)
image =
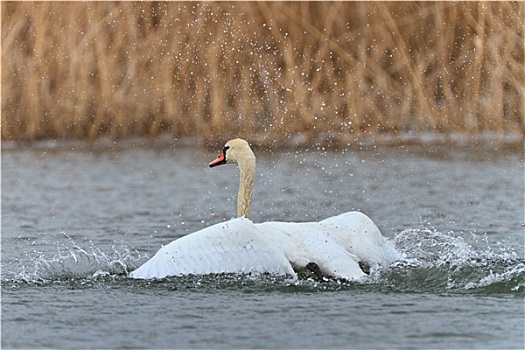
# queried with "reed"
point(268, 71)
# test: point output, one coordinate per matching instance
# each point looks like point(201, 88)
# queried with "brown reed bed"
point(267, 71)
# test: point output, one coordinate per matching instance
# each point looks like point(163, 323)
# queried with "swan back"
point(336, 245)
point(235, 246)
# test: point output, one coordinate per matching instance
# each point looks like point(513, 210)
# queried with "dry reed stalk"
point(264, 70)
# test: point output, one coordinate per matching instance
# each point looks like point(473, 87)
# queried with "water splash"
point(433, 262)
point(71, 261)
point(441, 262)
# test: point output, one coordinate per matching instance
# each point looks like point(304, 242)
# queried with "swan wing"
point(235, 246)
point(307, 242)
point(358, 234)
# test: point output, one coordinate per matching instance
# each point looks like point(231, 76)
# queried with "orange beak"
point(221, 159)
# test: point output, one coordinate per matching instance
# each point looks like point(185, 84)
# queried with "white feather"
point(235, 246)
point(336, 245)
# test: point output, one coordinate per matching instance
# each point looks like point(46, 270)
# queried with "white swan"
point(335, 245)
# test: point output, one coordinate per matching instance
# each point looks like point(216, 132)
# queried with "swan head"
point(238, 151)
point(235, 151)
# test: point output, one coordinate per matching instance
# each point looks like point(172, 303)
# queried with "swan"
point(334, 246)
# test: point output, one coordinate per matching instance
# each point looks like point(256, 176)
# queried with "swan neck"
point(247, 177)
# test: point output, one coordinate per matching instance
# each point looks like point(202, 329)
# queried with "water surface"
point(75, 221)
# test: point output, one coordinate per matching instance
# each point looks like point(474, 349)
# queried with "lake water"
point(76, 220)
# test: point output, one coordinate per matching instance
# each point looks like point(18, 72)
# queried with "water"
point(75, 220)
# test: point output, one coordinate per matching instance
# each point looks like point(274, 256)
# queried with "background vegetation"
point(272, 72)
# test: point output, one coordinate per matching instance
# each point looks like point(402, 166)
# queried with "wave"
point(433, 262)
point(436, 261)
